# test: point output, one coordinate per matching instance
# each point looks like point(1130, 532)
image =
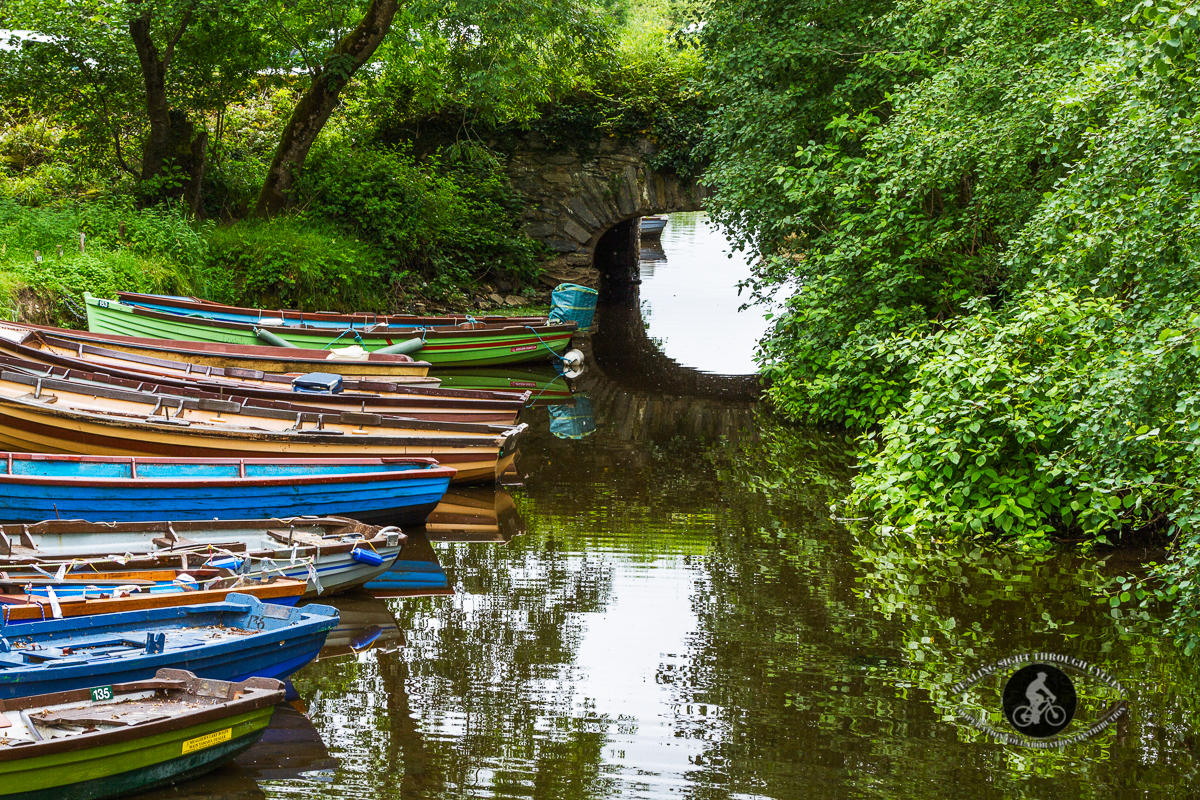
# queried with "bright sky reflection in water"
point(690, 298)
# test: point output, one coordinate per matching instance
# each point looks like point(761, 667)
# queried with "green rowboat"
point(90, 744)
point(467, 345)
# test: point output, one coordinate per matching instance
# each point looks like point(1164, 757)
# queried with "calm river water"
point(665, 608)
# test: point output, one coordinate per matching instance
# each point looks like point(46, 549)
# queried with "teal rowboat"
point(470, 344)
point(107, 741)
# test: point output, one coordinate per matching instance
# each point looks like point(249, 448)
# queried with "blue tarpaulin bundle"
point(571, 302)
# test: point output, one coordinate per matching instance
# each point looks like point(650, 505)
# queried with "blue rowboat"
point(231, 641)
point(652, 227)
point(396, 491)
point(331, 553)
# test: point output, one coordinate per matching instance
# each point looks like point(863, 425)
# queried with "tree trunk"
point(315, 105)
point(172, 141)
point(157, 109)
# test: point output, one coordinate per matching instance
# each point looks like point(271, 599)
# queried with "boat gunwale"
point(325, 316)
point(254, 696)
point(448, 332)
point(423, 469)
point(32, 608)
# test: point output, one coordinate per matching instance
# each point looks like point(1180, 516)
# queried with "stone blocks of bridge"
point(576, 193)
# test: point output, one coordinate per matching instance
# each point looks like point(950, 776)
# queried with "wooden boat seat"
point(48, 399)
point(131, 713)
point(302, 538)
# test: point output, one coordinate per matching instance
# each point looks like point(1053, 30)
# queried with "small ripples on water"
point(679, 620)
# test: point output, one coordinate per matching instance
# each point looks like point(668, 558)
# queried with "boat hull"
point(36, 428)
point(286, 642)
point(453, 347)
point(133, 766)
point(50, 487)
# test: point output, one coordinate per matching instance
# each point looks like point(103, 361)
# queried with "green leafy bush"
point(293, 262)
point(451, 218)
point(126, 249)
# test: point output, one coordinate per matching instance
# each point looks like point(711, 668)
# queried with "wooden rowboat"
point(237, 639)
point(468, 344)
point(35, 347)
point(398, 491)
point(196, 306)
point(652, 227)
point(100, 595)
point(331, 554)
point(87, 381)
point(108, 741)
point(220, 355)
point(42, 415)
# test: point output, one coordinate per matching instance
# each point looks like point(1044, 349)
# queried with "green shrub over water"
point(987, 218)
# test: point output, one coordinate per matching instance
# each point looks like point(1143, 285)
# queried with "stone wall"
point(576, 195)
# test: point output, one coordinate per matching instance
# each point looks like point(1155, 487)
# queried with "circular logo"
point(1039, 700)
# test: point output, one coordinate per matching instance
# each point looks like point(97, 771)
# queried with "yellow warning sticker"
point(207, 740)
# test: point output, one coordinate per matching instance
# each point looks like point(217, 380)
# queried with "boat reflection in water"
point(574, 421)
point(416, 573)
point(290, 748)
point(230, 782)
point(365, 623)
point(474, 514)
point(543, 380)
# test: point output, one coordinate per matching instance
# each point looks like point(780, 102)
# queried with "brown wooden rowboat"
point(50, 415)
point(266, 359)
point(87, 380)
point(376, 397)
point(16, 606)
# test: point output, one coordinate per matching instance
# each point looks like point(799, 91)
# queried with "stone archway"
point(585, 197)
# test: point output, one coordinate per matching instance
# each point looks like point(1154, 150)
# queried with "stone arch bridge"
point(583, 203)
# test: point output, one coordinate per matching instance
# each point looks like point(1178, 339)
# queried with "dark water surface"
point(667, 610)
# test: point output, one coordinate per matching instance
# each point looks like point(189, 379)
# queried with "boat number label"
point(256, 622)
point(102, 693)
point(102, 303)
point(207, 740)
point(523, 348)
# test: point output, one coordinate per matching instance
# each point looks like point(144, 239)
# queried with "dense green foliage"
point(986, 219)
point(404, 197)
point(154, 250)
point(293, 262)
point(450, 218)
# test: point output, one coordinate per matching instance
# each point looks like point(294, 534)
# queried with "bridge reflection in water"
point(637, 393)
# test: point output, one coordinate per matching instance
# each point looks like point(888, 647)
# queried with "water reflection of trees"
point(823, 660)
point(481, 695)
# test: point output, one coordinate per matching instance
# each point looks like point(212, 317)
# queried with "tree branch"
point(183, 26)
